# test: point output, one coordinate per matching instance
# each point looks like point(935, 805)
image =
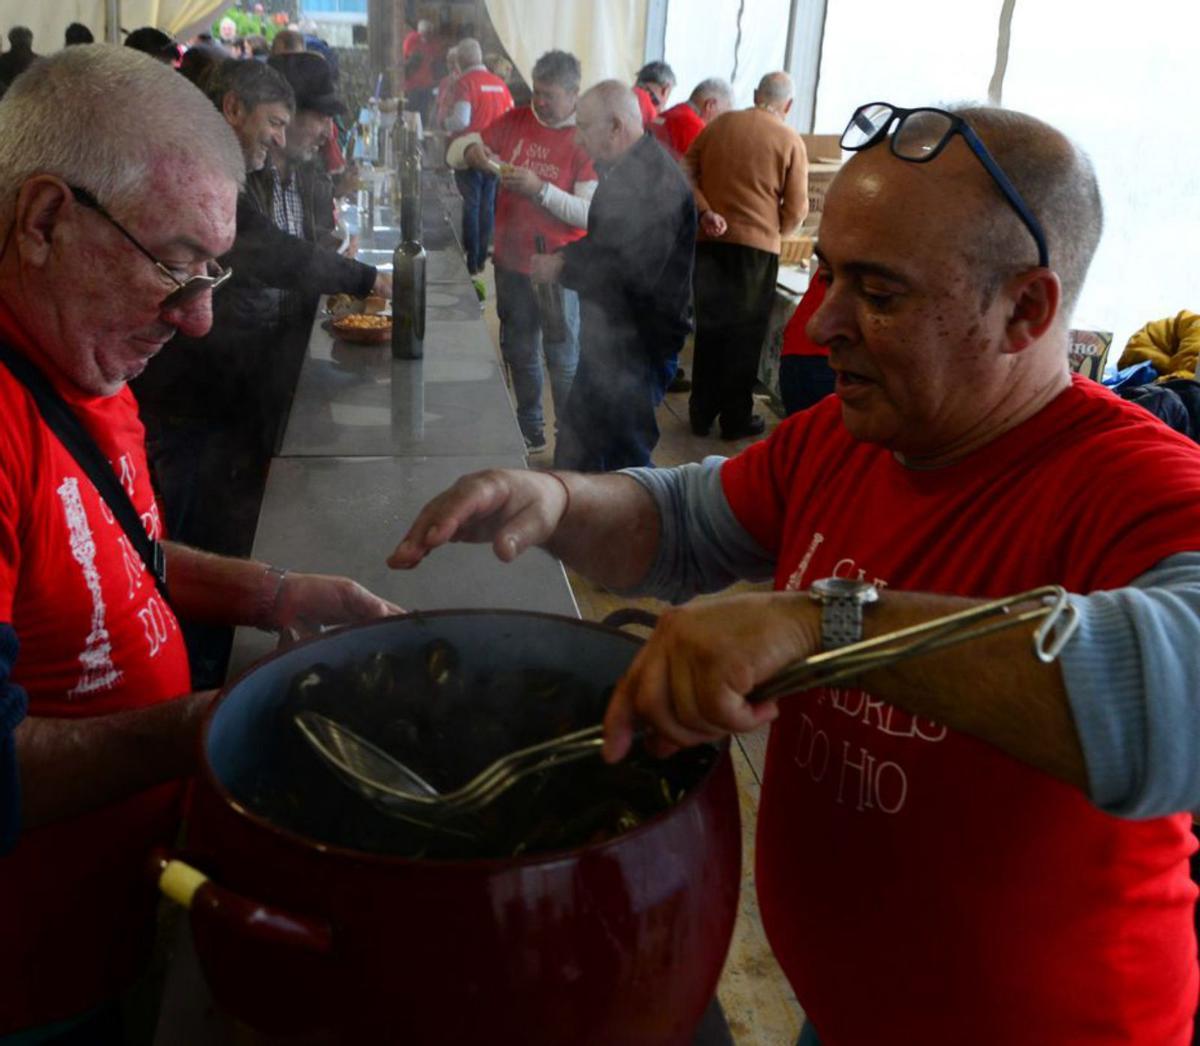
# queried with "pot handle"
point(212, 904)
point(627, 616)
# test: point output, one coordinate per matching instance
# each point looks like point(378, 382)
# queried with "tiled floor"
point(758, 1002)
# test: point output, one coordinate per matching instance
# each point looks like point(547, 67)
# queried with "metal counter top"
point(357, 400)
point(345, 515)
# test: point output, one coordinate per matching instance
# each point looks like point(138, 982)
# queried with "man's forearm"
point(994, 689)
point(611, 529)
point(218, 589)
point(71, 766)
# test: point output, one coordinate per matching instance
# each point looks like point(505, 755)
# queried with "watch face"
point(845, 588)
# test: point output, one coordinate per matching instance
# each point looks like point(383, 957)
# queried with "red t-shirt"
point(96, 637)
point(646, 103)
point(422, 75)
point(676, 128)
point(486, 94)
point(918, 885)
point(551, 153)
point(796, 341)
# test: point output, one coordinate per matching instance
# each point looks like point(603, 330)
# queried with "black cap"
point(153, 42)
point(311, 79)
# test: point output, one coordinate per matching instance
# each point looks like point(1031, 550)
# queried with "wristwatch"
point(842, 601)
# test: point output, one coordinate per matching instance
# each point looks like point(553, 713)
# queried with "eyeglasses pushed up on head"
point(185, 290)
point(920, 135)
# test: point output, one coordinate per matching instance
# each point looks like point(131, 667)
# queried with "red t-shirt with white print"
point(95, 637)
point(919, 885)
point(486, 94)
point(519, 138)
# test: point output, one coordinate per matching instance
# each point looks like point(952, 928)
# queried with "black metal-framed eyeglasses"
point(920, 135)
point(185, 290)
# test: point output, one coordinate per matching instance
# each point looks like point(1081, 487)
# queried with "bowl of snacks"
point(362, 328)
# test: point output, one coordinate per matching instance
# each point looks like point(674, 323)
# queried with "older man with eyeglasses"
point(108, 247)
point(983, 843)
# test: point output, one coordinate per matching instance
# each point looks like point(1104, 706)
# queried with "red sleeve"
point(646, 104)
point(796, 341)
point(755, 481)
point(497, 134)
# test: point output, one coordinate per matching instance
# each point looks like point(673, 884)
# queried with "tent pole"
point(112, 28)
point(656, 31)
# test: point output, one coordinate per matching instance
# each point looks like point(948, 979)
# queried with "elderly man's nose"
point(193, 318)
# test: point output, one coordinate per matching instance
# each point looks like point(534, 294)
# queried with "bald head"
point(609, 120)
point(774, 92)
point(1057, 183)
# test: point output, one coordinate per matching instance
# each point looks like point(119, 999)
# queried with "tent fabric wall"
point(700, 45)
point(607, 36)
point(49, 20)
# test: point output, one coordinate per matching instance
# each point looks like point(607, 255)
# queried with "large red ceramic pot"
point(306, 931)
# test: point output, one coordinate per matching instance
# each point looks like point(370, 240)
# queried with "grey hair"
point(617, 101)
point(559, 67)
point(453, 57)
point(1056, 180)
point(774, 88)
point(656, 73)
point(469, 52)
point(424, 25)
point(713, 87)
point(73, 120)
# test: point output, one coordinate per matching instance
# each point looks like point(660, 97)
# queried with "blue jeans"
point(522, 346)
point(478, 191)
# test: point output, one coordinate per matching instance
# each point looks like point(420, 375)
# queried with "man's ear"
point(788, 108)
point(231, 108)
point(1035, 297)
point(40, 203)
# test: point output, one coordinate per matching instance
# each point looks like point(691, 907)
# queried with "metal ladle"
point(401, 792)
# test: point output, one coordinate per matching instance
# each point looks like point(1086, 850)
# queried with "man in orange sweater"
point(750, 175)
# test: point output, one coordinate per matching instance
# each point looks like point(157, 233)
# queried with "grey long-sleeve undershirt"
point(1129, 669)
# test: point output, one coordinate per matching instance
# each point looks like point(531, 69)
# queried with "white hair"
point(713, 87)
point(469, 52)
point(98, 116)
point(424, 26)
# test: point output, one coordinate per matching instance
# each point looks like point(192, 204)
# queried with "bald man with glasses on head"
point(983, 844)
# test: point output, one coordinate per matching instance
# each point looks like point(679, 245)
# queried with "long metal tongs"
point(398, 790)
point(1049, 604)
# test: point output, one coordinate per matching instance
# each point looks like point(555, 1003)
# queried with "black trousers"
point(734, 287)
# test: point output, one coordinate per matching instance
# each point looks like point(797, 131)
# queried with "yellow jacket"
point(1172, 345)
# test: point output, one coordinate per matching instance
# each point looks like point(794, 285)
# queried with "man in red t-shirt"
point(420, 50)
point(805, 377)
point(676, 128)
point(652, 88)
point(479, 99)
point(982, 844)
point(546, 183)
point(104, 265)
